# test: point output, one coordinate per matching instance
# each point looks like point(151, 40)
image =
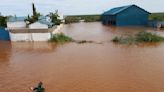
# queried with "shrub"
point(60, 38)
point(148, 37)
point(138, 38)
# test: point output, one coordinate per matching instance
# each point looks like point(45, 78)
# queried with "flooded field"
point(90, 67)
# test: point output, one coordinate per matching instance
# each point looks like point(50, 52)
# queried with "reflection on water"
point(87, 67)
point(34, 46)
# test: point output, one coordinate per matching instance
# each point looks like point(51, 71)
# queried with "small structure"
point(4, 34)
point(38, 25)
point(16, 22)
point(125, 16)
point(42, 23)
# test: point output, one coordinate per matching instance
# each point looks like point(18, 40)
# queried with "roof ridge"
point(117, 10)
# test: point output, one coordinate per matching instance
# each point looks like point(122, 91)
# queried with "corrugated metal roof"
point(45, 20)
point(117, 10)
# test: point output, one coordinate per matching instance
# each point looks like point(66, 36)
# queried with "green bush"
point(157, 16)
point(139, 38)
point(86, 18)
point(148, 37)
point(60, 38)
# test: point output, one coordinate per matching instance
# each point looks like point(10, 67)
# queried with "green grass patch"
point(157, 16)
point(86, 18)
point(141, 37)
point(60, 38)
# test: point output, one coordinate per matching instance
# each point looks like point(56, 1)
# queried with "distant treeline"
point(94, 18)
point(85, 18)
point(157, 16)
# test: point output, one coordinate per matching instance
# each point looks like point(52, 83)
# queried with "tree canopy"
point(54, 18)
point(34, 17)
point(3, 21)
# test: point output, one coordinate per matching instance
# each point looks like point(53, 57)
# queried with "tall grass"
point(157, 16)
point(60, 38)
point(148, 37)
point(139, 38)
point(86, 18)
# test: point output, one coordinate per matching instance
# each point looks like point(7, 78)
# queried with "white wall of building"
point(57, 29)
point(38, 25)
point(20, 36)
point(19, 24)
point(41, 36)
point(30, 36)
point(34, 36)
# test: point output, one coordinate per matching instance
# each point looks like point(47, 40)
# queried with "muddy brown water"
point(86, 67)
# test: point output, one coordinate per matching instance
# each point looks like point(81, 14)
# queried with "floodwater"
point(89, 67)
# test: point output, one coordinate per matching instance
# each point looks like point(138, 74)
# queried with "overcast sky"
point(74, 7)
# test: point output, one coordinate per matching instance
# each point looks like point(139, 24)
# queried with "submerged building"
point(126, 16)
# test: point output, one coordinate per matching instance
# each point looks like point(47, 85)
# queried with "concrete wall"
point(35, 36)
point(20, 36)
point(30, 36)
point(41, 36)
point(57, 29)
point(38, 25)
point(20, 24)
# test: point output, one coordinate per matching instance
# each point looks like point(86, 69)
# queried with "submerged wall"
point(33, 34)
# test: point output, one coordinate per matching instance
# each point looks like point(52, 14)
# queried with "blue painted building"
point(125, 16)
point(4, 34)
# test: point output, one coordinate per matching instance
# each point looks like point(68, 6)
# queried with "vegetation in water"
point(86, 18)
point(139, 38)
point(83, 41)
point(60, 38)
point(157, 16)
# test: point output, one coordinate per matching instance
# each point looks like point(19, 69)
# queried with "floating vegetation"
point(139, 38)
point(60, 38)
point(83, 41)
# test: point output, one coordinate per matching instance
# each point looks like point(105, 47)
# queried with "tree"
point(54, 18)
point(34, 17)
point(34, 9)
point(3, 21)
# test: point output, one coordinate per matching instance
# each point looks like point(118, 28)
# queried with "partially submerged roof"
point(45, 20)
point(50, 24)
point(16, 19)
point(117, 10)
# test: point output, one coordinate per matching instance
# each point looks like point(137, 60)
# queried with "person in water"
point(39, 88)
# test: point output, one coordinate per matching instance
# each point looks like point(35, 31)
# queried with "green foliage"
point(71, 19)
point(86, 18)
point(54, 18)
point(148, 37)
point(83, 41)
point(157, 16)
point(3, 21)
point(34, 17)
point(60, 38)
point(126, 40)
point(139, 38)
